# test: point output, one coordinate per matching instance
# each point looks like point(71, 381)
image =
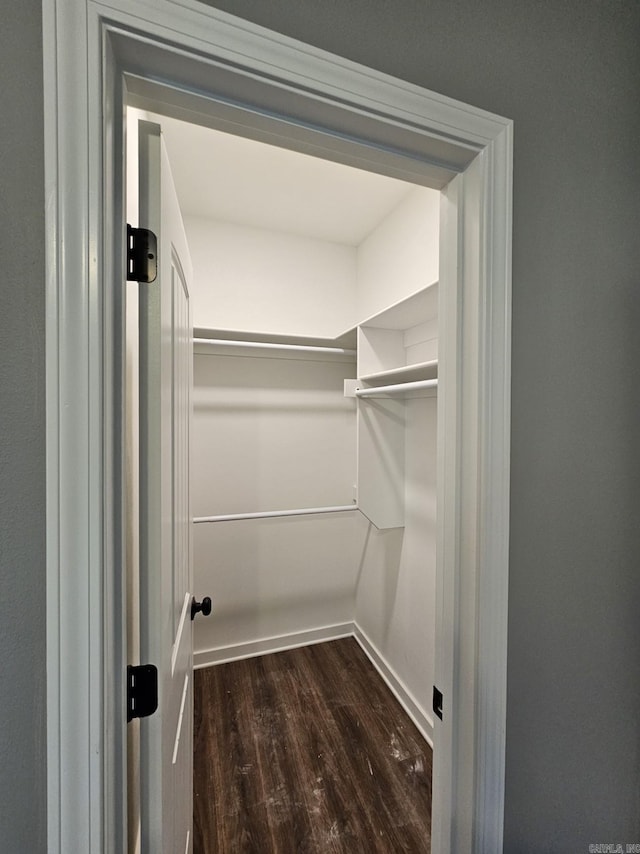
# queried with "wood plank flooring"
point(307, 751)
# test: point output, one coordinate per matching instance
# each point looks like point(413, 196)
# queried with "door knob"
point(204, 607)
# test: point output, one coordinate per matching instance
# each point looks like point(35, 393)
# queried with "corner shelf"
point(397, 346)
point(401, 339)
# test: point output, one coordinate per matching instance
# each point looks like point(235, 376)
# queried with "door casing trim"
point(194, 59)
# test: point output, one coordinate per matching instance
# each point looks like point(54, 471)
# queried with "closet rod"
point(269, 514)
point(266, 345)
point(397, 388)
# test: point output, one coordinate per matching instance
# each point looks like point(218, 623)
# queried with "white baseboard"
point(418, 715)
point(250, 649)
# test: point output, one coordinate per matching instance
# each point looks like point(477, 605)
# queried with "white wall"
point(400, 256)
point(272, 434)
point(395, 597)
point(269, 281)
point(272, 578)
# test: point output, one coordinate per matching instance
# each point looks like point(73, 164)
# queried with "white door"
point(166, 774)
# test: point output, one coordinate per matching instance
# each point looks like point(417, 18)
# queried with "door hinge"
point(437, 702)
point(142, 255)
point(142, 691)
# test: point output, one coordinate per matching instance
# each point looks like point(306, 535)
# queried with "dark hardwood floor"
point(307, 751)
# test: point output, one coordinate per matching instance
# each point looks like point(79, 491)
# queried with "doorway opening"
point(310, 278)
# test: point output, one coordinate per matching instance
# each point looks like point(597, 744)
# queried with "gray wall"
point(22, 481)
point(568, 73)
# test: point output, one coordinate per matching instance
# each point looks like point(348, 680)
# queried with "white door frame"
point(188, 57)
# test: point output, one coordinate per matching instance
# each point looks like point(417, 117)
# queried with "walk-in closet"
point(313, 475)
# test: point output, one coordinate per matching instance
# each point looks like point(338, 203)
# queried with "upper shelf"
point(401, 343)
point(225, 342)
point(346, 340)
point(421, 305)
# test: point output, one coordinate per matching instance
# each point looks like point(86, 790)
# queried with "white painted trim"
point(494, 427)
point(77, 452)
point(421, 718)
point(278, 643)
point(388, 125)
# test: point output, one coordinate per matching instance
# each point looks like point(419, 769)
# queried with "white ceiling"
point(230, 178)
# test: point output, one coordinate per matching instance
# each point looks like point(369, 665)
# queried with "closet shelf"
point(401, 343)
point(348, 340)
point(230, 342)
point(405, 373)
point(402, 314)
point(397, 361)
